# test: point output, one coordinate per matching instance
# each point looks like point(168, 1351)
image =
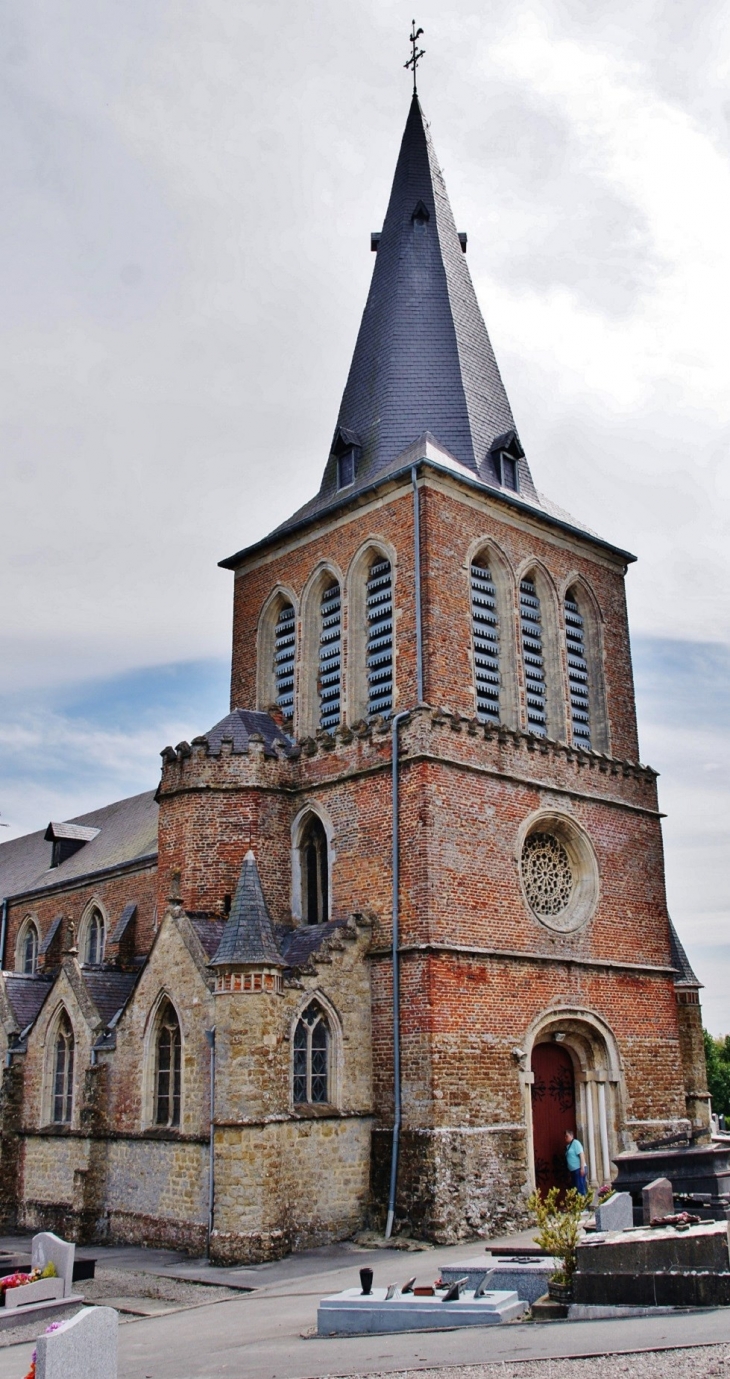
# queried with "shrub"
point(558, 1216)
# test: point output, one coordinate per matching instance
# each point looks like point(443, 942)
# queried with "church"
point(379, 936)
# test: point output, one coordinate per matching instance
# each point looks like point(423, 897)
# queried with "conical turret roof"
point(249, 934)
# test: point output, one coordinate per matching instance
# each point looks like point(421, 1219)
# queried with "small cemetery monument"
point(84, 1347)
point(657, 1200)
point(616, 1214)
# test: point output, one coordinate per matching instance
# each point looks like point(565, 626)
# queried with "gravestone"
point(617, 1214)
point(48, 1248)
point(657, 1200)
point(84, 1347)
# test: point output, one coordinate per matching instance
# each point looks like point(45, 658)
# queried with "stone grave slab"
point(657, 1200)
point(351, 1313)
point(525, 1275)
point(84, 1347)
point(660, 1267)
point(47, 1248)
point(617, 1214)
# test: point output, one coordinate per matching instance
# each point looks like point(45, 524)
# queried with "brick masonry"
point(482, 977)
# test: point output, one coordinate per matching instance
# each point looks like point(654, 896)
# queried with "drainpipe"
point(395, 862)
point(3, 932)
point(210, 1039)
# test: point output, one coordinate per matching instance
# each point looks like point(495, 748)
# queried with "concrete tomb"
point(700, 1177)
point(657, 1200)
point(84, 1347)
point(655, 1267)
point(353, 1313)
point(617, 1214)
point(45, 1294)
point(527, 1276)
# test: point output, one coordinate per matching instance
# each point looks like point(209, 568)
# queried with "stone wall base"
point(453, 1184)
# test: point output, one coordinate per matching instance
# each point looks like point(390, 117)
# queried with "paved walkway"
point(266, 1334)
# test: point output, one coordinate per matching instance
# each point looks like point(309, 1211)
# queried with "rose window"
point(547, 875)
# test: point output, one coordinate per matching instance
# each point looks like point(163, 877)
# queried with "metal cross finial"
point(416, 54)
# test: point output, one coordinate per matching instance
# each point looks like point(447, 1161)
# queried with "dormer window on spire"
point(505, 452)
point(346, 449)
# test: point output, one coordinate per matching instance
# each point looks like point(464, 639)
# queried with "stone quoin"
point(234, 926)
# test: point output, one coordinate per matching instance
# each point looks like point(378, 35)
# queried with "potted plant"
point(558, 1216)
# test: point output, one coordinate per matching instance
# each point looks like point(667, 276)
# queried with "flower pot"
point(560, 1292)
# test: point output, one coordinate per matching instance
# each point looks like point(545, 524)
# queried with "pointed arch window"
point(94, 945)
point(63, 1073)
point(379, 651)
point(26, 952)
point(578, 674)
point(168, 1067)
point(285, 636)
point(311, 1072)
point(330, 658)
point(485, 630)
point(533, 657)
point(314, 856)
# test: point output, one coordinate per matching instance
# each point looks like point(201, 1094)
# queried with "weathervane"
point(416, 54)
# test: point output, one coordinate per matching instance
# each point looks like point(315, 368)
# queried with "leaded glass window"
point(63, 1073)
point(167, 1068)
point(311, 1058)
point(95, 938)
point(29, 953)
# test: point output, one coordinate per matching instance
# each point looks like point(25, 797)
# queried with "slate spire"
point(248, 937)
point(423, 360)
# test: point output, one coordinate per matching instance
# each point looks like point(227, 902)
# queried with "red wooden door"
point(553, 1112)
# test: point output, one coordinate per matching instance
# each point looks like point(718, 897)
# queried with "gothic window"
point(94, 939)
point(577, 671)
point(311, 1058)
point(379, 652)
point(314, 872)
point(285, 636)
point(26, 959)
point(167, 1067)
point(330, 658)
point(485, 629)
point(63, 1073)
point(531, 632)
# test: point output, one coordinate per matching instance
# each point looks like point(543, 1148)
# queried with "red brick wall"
point(113, 893)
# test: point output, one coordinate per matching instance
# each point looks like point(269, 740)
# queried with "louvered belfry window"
point(330, 658)
point(532, 657)
point(577, 672)
point(380, 638)
point(284, 653)
point(485, 626)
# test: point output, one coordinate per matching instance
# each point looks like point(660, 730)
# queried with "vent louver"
point(284, 655)
point(532, 658)
point(330, 658)
point(380, 638)
point(577, 673)
point(485, 629)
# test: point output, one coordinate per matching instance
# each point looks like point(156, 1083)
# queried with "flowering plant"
point(55, 1326)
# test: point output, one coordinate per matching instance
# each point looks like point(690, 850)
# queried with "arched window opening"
point(27, 961)
point(315, 867)
point(285, 637)
point(167, 1067)
point(533, 657)
point(485, 629)
point(330, 658)
point(379, 652)
point(311, 1058)
point(95, 938)
point(577, 671)
point(63, 1073)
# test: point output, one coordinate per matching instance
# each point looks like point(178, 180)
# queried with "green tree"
point(717, 1057)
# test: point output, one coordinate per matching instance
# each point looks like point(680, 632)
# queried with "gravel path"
point(698, 1363)
point(122, 1283)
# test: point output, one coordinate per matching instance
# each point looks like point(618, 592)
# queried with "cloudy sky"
point(188, 193)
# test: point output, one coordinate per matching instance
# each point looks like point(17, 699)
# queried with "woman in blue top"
point(576, 1161)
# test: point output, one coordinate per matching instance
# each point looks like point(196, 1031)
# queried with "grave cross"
point(416, 53)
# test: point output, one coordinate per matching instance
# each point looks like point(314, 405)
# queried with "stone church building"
point(399, 918)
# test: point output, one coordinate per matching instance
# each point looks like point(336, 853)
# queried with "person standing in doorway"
point(576, 1161)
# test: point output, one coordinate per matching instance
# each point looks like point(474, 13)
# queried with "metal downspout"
point(210, 1037)
point(395, 863)
point(3, 932)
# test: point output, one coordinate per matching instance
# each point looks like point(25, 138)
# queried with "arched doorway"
point(553, 1112)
